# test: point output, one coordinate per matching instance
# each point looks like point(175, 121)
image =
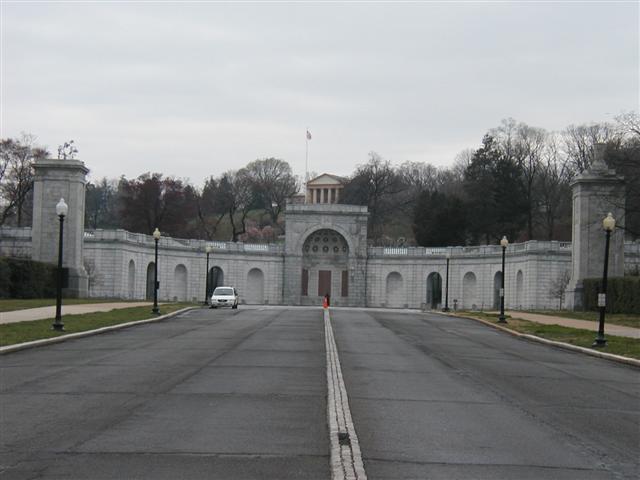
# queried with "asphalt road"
point(228, 394)
point(242, 395)
point(443, 398)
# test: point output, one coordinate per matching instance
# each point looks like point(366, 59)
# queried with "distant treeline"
point(516, 184)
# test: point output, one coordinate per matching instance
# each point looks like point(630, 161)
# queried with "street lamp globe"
point(156, 234)
point(504, 242)
point(609, 223)
point(208, 249)
point(62, 208)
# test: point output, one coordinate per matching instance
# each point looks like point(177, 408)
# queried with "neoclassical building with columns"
point(325, 252)
point(325, 188)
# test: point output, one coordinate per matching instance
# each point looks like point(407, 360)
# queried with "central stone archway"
point(325, 267)
point(348, 269)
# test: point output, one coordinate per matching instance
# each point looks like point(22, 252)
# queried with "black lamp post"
point(61, 210)
point(206, 277)
point(503, 243)
point(608, 224)
point(156, 237)
point(446, 287)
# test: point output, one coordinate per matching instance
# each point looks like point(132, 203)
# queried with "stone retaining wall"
point(117, 262)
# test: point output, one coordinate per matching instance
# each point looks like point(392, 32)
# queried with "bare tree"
point(451, 180)
point(235, 196)
point(558, 287)
point(418, 176)
point(553, 186)
point(623, 155)
point(273, 183)
point(628, 124)
point(579, 142)
point(210, 211)
point(524, 146)
point(415, 178)
point(16, 180)
point(374, 184)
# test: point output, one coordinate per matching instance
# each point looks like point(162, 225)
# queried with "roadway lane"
point(439, 397)
point(211, 394)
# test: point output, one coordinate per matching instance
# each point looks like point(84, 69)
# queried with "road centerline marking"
point(346, 457)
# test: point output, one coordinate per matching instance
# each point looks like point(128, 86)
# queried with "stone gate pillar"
point(596, 192)
point(55, 179)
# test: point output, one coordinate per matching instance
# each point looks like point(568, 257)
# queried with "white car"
point(224, 297)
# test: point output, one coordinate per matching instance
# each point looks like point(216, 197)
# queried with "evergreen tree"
point(439, 220)
point(496, 201)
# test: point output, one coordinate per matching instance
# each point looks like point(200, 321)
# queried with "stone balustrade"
point(528, 247)
point(181, 243)
point(24, 234)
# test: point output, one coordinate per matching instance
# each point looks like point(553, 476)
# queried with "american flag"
point(308, 135)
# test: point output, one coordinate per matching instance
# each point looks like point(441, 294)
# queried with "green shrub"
point(623, 294)
point(22, 278)
point(5, 274)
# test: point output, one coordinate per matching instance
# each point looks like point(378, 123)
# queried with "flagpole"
point(306, 156)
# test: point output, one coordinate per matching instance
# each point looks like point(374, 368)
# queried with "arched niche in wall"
point(469, 299)
point(395, 293)
point(434, 290)
point(131, 280)
point(180, 283)
point(255, 286)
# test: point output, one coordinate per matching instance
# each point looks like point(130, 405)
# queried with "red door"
point(345, 283)
point(305, 282)
point(324, 282)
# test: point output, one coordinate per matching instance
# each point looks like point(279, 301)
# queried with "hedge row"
point(21, 278)
point(623, 294)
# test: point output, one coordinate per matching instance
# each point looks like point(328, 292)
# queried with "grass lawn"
point(626, 319)
point(11, 304)
point(627, 347)
point(12, 333)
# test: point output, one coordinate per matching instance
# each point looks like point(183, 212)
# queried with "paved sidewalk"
point(609, 329)
point(50, 312)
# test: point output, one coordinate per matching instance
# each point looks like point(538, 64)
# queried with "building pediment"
point(326, 179)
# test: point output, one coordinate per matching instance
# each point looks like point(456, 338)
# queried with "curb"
point(48, 341)
point(553, 343)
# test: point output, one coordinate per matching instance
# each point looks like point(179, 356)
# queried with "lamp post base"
point(502, 319)
point(155, 310)
point(446, 309)
point(599, 342)
point(58, 327)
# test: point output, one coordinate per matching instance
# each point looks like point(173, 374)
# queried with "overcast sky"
point(196, 89)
